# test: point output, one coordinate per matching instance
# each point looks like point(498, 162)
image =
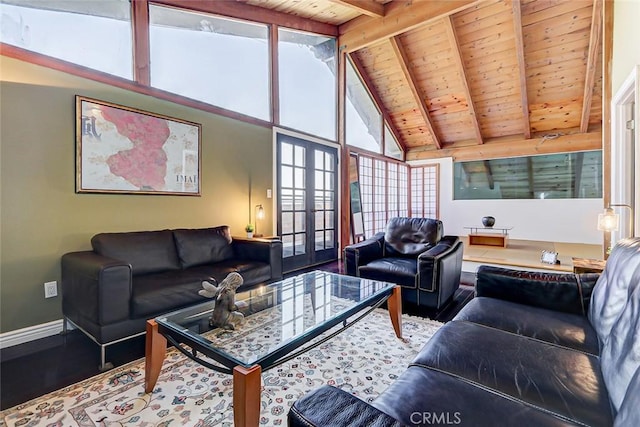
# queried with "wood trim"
point(401, 55)
point(457, 56)
point(592, 64)
point(141, 45)
point(366, 7)
point(345, 201)
point(239, 10)
point(522, 67)
point(119, 82)
point(400, 17)
point(606, 112)
point(274, 77)
point(513, 147)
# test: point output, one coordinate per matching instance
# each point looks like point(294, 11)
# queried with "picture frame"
point(125, 150)
point(549, 257)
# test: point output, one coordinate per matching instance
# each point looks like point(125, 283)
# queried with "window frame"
point(141, 54)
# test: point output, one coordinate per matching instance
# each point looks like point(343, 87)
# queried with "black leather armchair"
point(414, 254)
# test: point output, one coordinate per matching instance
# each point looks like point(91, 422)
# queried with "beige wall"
point(626, 40)
point(41, 215)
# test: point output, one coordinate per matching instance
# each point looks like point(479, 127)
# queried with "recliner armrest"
point(264, 250)
point(331, 406)
point(565, 292)
point(441, 265)
point(363, 252)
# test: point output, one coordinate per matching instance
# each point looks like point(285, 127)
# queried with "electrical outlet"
point(51, 289)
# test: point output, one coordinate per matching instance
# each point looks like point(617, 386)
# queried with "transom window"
point(223, 62)
point(96, 35)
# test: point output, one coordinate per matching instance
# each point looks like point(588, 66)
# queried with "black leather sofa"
point(111, 291)
point(413, 253)
point(531, 349)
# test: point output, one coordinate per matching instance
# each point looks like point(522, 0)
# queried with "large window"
point(96, 35)
point(554, 176)
point(307, 82)
point(363, 120)
point(219, 61)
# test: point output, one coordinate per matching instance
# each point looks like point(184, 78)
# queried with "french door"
point(307, 201)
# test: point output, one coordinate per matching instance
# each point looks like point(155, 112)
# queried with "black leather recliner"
point(414, 254)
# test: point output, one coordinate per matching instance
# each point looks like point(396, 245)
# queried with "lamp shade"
point(259, 212)
point(608, 220)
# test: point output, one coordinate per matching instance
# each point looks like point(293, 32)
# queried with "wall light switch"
point(268, 193)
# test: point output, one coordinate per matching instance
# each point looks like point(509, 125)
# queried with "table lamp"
point(259, 217)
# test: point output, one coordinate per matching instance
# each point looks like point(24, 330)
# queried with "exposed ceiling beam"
point(376, 98)
point(514, 147)
point(457, 57)
point(366, 7)
point(592, 64)
point(522, 68)
point(400, 17)
point(403, 61)
point(240, 10)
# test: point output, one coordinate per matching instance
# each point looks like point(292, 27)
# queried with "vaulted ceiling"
point(473, 79)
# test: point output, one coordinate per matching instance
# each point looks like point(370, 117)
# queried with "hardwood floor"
point(38, 367)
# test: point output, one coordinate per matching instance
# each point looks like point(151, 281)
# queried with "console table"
point(588, 265)
point(489, 236)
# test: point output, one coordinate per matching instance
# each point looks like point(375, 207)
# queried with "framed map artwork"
point(124, 150)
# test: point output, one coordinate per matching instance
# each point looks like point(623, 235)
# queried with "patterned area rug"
point(362, 360)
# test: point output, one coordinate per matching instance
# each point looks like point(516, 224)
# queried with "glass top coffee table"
point(282, 320)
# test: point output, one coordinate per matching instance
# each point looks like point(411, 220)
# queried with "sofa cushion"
point(411, 236)
point(424, 396)
point(563, 329)
point(158, 293)
point(203, 246)
point(146, 251)
point(401, 271)
point(252, 272)
point(565, 382)
point(554, 291)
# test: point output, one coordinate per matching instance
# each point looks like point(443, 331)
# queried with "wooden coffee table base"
point(247, 382)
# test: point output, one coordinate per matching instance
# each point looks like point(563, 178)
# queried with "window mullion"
point(141, 46)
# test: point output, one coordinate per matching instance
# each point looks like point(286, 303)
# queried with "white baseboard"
point(31, 333)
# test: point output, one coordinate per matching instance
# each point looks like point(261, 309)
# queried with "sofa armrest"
point(331, 406)
point(363, 252)
point(95, 288)
point(264, 250)
point(565, 292)
point(441, 265)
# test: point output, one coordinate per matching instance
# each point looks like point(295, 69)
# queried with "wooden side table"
point(588, 265)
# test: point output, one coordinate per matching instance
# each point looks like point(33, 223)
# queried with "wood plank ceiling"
point(474, 79)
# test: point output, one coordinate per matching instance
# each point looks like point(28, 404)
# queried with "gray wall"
point(41, 215)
